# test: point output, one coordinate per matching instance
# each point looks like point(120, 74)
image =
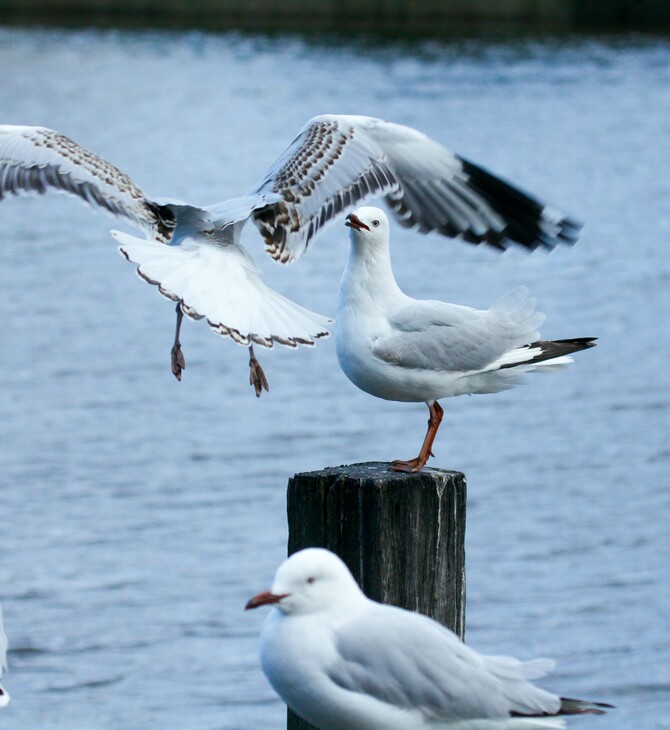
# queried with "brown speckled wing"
point(36, 160)
point(338, 161)
point(330, 166)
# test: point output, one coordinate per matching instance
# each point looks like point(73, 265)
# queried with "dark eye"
point(375, 223)
point(311, 580)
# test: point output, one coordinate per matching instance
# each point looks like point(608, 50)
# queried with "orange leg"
point(256, 375)
point(419, 462)
point(178, 362)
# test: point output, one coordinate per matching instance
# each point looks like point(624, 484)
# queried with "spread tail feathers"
point(220, 282)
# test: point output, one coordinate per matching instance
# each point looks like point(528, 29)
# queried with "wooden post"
point(402, 535)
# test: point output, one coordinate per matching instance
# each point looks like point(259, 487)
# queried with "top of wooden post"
point(401, 535)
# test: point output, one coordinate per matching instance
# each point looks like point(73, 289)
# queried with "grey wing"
point(336, 162)
point(431, 335)
point(409, 661)
point(36, 160)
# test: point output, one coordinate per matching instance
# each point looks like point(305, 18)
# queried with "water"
point(139, 514)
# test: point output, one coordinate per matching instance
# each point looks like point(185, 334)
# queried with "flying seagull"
point(193, 253)
point(344, 662)
point(4, 697)
point(402, 349)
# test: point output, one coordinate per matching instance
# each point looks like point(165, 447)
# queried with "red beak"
point(353, 221)
point(264, 599)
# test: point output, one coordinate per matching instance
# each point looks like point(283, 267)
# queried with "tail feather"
point(220, 282)
point(549, 350)
point(573, 707)
point(583, 707)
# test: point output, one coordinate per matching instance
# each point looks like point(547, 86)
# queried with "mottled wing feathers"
point(336, 162)
point(330, 166)
point(37, 160)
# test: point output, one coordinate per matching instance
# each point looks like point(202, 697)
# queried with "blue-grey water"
point(138, 514)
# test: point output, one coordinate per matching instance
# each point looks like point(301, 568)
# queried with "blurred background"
point(139, 514)
point(400, 18)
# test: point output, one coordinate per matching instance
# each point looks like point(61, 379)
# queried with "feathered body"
point(398, 348)
point(344, 662)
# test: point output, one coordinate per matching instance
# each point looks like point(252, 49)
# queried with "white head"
point(310, 581)
point(369, 228)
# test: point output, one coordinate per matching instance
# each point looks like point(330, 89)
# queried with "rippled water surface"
point(138, 514)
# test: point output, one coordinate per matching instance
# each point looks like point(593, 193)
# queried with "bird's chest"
point(356, 333)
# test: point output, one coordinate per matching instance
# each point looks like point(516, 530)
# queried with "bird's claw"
point(178, 362)
point(257, 377)
point(409, 467)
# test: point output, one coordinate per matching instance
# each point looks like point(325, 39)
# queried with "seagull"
point(402, 349)
point(344, 662)
point(193, 254)
point(4, 697)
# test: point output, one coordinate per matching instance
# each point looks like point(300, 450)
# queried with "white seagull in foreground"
point(401, 349)
point(4, 697)
point(193, 254)
point(344, 662)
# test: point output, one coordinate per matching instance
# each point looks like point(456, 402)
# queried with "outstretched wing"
point(330, 166)
point(336, 162)
point(36, 160)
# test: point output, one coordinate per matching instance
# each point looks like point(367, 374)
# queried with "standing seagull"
point(194, 256)
point(344, 662)
point(397, 348)
point(4, 697)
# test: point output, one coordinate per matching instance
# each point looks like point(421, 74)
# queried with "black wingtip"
point(583, 707)
point(529, 222)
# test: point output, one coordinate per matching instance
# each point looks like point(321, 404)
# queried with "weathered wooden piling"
point(402, 535)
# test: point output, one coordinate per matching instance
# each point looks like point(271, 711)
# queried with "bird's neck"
point(368, 276)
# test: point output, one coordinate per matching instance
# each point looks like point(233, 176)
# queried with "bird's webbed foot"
point(178, 362)
point(410, 467)
point(177, 356)
point(256, 375)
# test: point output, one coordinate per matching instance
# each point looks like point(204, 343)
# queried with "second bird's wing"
point(336, 162)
